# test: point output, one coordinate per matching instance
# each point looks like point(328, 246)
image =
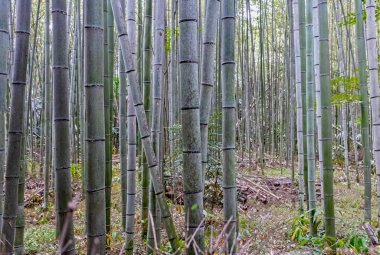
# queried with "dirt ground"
point(267, 208)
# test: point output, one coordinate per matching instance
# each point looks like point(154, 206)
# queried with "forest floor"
point(268, 209)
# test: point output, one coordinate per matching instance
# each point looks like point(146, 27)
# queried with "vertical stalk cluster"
point(145, 134)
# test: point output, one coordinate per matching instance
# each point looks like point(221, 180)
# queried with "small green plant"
point(76, 171)
point(300, 229)
point(40, 240)
point(357, 242)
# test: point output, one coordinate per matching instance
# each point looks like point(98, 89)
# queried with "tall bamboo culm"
point(60, 67)
point(154, 224)
point(310, 98)
point(228, 122)
point(192, 165)
point(326, 136)
point(302, 42)
point(94, 126)
point(300, 144)
point(132, 143)
point(16, 124)
point(4, 54)
point(208, 74)
point(147, 61)
point(364, 104)
point(318, 92)
point(374, 91)
point(123, 138)
point(48, 105)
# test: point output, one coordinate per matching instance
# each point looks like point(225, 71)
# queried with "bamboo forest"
point(189, 127)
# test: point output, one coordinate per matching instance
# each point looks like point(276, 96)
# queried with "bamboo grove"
point(137, 117)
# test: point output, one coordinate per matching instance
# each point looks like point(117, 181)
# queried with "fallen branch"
point(260, 187)
point(371, 234)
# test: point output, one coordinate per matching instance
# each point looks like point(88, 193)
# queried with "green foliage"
point(300, 233)
point(350, 85)
point(168, 36)
point(350, 18)
point(76, 171)
point(357, 242)
point(116, 82)
point(40, 238)
point(169, 33)
point(246, 226)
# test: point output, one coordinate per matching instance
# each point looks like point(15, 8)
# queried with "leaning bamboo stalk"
point(129, 62)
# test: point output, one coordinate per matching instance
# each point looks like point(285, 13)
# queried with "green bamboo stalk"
point(132, 143)
point(228, 124)
point(302, 36)
point(374, 90)
point(300, 144)
point(94, 126)
point(107, 114)
point(20, 220)
point(364, 104)
point(192, 165)
point(129, 60)
point(48, 105)
point(147, 60)
point(123, 138)
point(159, 33)
point(4, 54)
point(310, 98)
point(60, 67)
point(326, 136)
point(16, 125)
point(208, 74)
